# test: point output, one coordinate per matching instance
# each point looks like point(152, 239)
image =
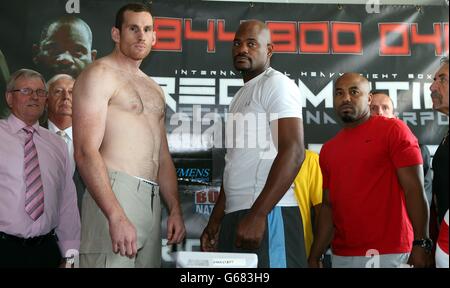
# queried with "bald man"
point(374, 211)
point(257, 210)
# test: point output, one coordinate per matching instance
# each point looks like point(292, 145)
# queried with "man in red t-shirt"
point(374, 211)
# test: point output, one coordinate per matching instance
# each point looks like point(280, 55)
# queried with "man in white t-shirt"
point(257, 210)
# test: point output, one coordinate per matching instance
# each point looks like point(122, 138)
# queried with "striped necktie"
point(34, 195)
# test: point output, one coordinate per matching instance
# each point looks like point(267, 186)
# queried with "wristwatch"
point(425, 243)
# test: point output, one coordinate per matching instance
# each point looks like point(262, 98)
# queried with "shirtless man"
point(121, 151)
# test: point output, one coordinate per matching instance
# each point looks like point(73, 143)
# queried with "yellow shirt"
point(308, 191)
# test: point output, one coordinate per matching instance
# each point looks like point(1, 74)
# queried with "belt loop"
point(139, 184)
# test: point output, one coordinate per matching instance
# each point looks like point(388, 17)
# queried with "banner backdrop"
point(397, 49)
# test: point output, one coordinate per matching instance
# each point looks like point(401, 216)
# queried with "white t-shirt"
point(250, 148)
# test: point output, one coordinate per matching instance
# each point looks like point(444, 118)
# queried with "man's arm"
point(68, 229)
point(411, 180)
point(167, 178)
point(323, 232)
point(316, 216)
point(90, 106)
point(210, 236)
point(289, 137)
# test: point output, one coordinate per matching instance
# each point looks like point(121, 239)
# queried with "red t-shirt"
point(443, 234)
point(368, 204)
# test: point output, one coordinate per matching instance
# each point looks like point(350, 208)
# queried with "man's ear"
point(93, 54)
point(269, 50)
point(370, 97)
point(154, 38)
point(35, 49)
point(8, 96)
point(115, 35)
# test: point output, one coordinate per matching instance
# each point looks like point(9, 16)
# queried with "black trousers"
point(284, 228)
point(16, 253)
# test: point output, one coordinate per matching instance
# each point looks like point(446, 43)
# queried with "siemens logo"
point(193, 172)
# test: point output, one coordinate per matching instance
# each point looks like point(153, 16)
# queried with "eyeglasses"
point(28, 91)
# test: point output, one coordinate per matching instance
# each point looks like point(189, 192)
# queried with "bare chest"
point(139, 96)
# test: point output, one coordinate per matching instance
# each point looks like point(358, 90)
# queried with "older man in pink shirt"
point(39, 219)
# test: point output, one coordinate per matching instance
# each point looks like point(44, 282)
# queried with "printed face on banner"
point(65, 49)
point(136, 35)
point(439, 90)
point(351, 97)
point(251, 48)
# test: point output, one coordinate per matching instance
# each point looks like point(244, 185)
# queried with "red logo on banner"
point(396, 39)
point(353, 29)
point(168, 32)
point(319, 37)
point(206, 196)
point(322, 47)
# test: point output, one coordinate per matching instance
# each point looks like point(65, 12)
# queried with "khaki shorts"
point(142, 205)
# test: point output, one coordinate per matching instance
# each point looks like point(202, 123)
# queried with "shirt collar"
point(53, 128)
point(16, 125)
point(256, 79)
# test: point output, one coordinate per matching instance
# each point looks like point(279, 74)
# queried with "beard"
point(242, 68)
point(348, 118)
point(353, 117)
point(137, 56)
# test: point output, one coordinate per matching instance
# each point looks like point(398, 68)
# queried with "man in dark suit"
point(59, 108)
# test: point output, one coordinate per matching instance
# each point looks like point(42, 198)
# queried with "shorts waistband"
point(135, 181)
point(146, 181)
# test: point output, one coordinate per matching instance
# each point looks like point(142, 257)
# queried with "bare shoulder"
point(98, 80)
point(99, 71)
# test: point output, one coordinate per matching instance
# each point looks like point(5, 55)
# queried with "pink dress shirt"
point(60, 199)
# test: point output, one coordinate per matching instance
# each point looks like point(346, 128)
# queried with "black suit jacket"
point(79, 184)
